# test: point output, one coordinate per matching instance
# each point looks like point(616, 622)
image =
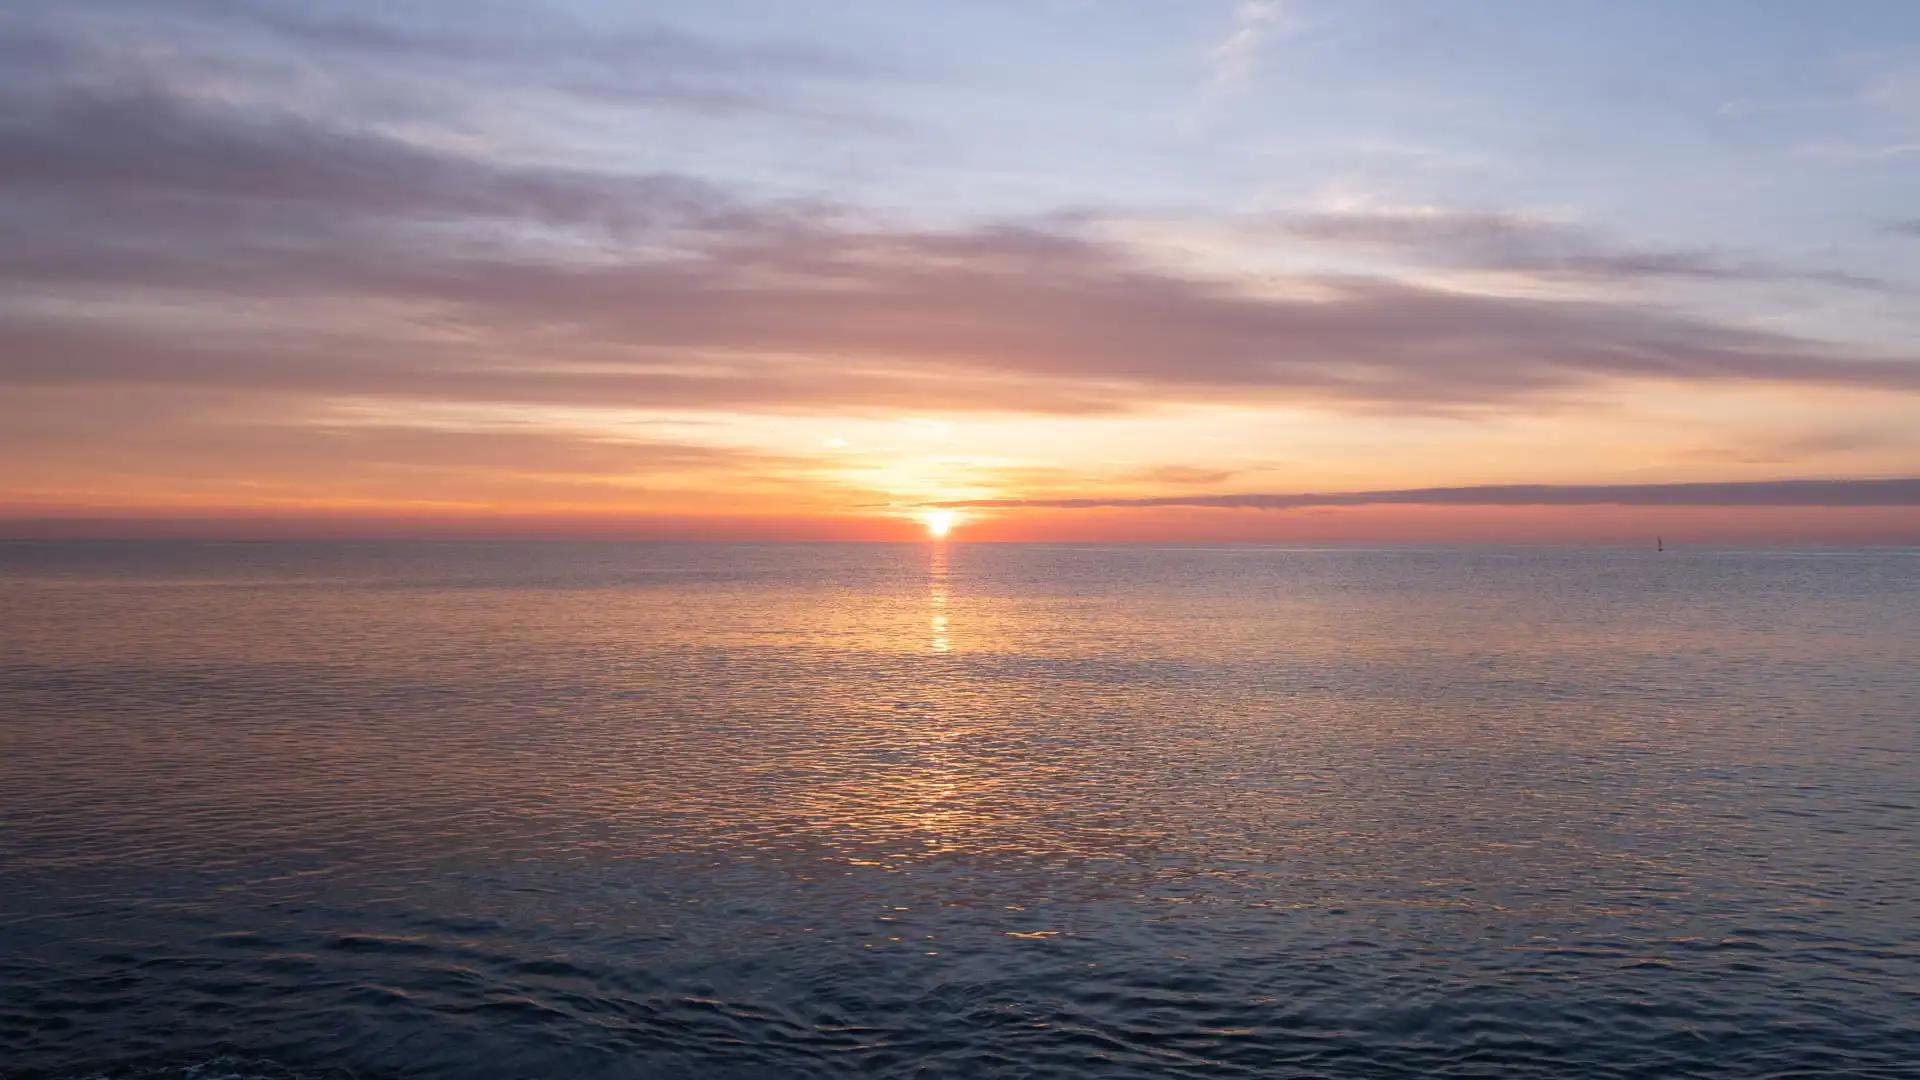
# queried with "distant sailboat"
point(1659, 544)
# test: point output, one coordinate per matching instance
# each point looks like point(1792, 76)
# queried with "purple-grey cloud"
point(485, 48)
point(1901, 491)
point(173, 159)
point(1493, 240)
point(464, 277)
point(518, 35)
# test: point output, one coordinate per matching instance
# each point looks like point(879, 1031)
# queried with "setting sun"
point(1055, 537)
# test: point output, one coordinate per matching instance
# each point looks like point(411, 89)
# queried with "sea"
point(485, 810)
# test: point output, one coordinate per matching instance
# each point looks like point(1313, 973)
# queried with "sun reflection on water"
point(937, 571)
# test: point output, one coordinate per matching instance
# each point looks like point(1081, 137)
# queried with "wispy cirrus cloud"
point(1255, 23)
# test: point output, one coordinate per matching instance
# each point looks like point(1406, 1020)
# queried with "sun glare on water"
point(938, 522)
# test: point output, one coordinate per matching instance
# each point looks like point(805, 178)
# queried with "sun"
point(938, 522)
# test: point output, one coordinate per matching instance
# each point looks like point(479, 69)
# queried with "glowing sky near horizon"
point(1089, 266)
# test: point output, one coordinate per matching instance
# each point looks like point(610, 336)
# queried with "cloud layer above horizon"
point(716, 260)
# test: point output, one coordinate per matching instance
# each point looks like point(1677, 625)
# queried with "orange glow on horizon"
point(1362, 524)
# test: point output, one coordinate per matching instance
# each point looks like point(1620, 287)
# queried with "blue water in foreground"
point(553, 810)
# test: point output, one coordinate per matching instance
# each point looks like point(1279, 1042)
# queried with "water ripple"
point(292, 811)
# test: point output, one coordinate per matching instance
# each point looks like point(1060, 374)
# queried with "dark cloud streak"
point(1903, 491)
point(161, 150)
point(483, 48)
point(1491, 240)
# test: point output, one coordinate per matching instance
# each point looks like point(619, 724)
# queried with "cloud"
point(828, 319)
point(289, 449)
point(1820, 493)
point(1909, 227)
point(351, 262)
point(1494, 240)
point(517, 37)
point(1896, 92)
point(1254, 23)
point(291, 50)
point(1184, 474)
point(1859, 435)
point(194, 164)
point(161, 237)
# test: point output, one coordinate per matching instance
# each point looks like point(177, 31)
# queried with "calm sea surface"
point(657, 810)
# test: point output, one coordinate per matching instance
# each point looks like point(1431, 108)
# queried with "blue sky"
point(1680, 120)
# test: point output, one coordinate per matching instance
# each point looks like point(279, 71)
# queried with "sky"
point(1269, 270)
